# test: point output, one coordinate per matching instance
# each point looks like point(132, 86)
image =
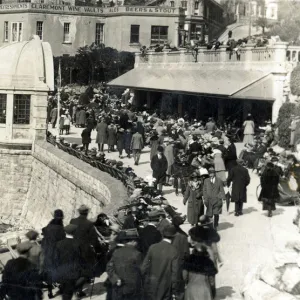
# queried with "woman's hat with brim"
point(211, 170)
point(127, 235)
point(194, 175)
point(121, 129)
point(169, 231)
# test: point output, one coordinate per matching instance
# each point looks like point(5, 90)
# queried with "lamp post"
point(58, 100)
point(250, 18)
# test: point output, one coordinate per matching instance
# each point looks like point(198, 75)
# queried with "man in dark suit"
point(213, 195)
point(149, 235)
point(160, 268)
point(137, 144)
point(68, 265)
point(239, 176)
point(88, 239)
point(123, 269)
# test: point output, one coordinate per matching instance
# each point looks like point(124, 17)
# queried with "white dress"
point(248, 132)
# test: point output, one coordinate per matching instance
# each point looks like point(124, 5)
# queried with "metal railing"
point(114, 172)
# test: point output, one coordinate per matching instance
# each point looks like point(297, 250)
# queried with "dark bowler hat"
point(127, 235)
point(205, 220)
point(177, 220)
point(70, 229)
point(211, 170)
point(32, 235)
point(169, 231)
point(58, 214)
point(24, 247)
point(83, 208)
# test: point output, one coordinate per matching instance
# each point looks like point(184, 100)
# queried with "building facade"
point(68, 27)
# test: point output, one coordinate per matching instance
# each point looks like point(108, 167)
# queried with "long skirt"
point(268, 204)
point(248, 139)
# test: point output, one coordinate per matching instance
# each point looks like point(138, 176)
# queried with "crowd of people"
point(162, 261)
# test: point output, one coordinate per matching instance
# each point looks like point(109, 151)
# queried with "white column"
point(9, 116)
point(278, 95)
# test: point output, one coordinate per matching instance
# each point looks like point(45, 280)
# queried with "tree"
point(263, 23)
point(295, 81)
point(288, 27)
point(94, 63)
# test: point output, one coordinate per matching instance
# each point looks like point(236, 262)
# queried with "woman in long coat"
point(269, 188)
point(248, 130)
point(101, 137)
point(155, 141)
point(169, 153)
point(81, 117)
point(193, 197)
point(230, 156)
point(120, 141)
point(112, 137)
point(196, 271)
point(219, 165)
point(159, 166)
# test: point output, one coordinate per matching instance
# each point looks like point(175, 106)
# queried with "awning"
point(201, 82)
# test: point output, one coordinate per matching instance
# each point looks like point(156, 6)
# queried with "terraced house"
point(68, 26)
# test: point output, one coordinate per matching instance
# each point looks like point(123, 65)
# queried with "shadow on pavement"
point(224, 292)
point(144, 162)
point(249, 210)
point(225, 225)
point(276, 212)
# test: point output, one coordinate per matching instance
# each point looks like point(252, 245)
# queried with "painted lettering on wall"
point(151, 10)
point(87, 9)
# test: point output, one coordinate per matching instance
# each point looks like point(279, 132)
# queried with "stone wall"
point(62, 181)
point(15, 175)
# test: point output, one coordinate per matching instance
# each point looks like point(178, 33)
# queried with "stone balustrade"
point(279, 52)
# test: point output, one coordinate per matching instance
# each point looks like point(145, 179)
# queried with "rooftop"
point(27, 65)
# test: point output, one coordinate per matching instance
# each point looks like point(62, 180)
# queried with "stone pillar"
point(278, 94)
point(189, 32)
point(221, 111)
point(39, 114)
point(280, 51)
point(137, 59)
point(180, 105)
point(9, 115)
point(247, 107)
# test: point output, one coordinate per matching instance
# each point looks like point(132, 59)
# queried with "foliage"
point(288, 27)
point(263, 23)
point(94, 63)
point(295, 81)
point(284, 122)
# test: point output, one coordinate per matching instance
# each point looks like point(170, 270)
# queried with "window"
point(184, 4)
point(67, 38)
point(272, 12)
point(172, 3)
point(135, 34)
point(21, 109)
point(196, 5)
point(2, 108)
point(5, 31)
point(159, 34)
point(99, 34)
point(16, 32)
point(39, 29)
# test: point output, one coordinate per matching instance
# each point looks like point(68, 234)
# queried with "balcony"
point(249, 55)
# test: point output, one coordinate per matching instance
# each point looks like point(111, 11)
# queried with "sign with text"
point(88, 9)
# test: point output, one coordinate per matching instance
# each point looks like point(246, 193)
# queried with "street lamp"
point(58, 100)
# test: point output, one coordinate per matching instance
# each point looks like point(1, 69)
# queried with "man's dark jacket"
point(160, 272)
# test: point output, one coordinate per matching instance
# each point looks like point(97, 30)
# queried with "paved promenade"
point(246, 241)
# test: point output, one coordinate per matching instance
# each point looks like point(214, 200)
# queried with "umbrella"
point(228, 197)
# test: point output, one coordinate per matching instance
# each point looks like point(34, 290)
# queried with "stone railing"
point(114, 172)
point(276, 53)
